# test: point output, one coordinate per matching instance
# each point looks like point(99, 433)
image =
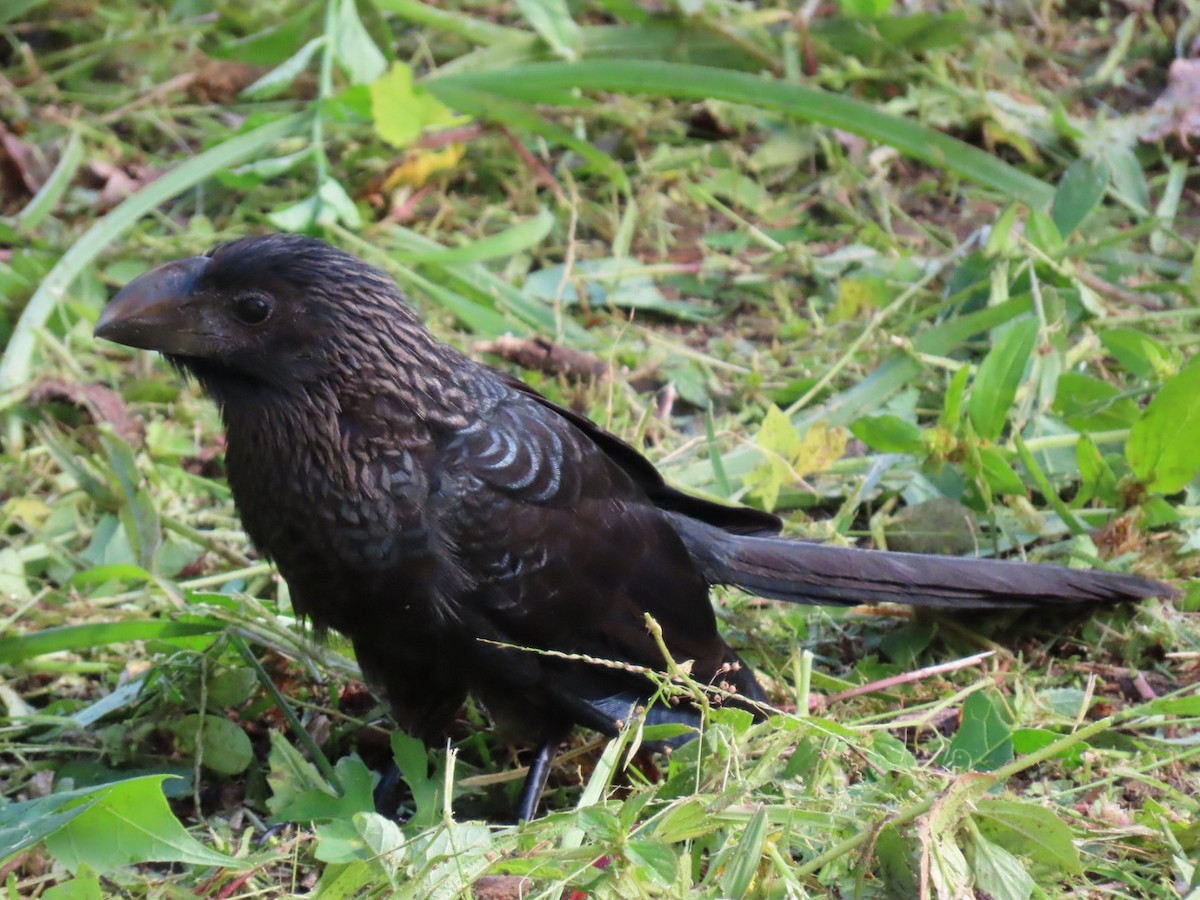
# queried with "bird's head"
point(280, 309)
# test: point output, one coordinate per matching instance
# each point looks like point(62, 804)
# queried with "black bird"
point(445, 517)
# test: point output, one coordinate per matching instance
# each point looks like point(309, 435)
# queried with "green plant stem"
point(298, 729)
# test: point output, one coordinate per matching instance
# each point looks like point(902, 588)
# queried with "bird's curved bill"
point(151, 312)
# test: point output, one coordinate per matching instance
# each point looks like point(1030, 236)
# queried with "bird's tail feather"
point(805, 572)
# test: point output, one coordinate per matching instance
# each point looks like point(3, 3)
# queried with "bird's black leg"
point(388, 792)
point(535, 781)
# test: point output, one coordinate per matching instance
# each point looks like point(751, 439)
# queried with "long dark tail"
point(804, 572)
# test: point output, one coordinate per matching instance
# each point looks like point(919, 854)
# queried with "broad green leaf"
point(788, 456)
point(26, 823)
point(888, 434)
point(84, 886)
point(654, 861)
point(225, 748)
point(997, 872)
point(1030, 740)
point(999, 376)
point(686, 820)
point(983, 741)
point(292, 778)
point(859, 296)
point(1163, 448)
point(1066, 702)
point(1089, 404)
point(125, 823)
point(302, 795)
point(327, 207)
point(1139, 353)
point(999, 473)
point(412, 759)
point(271, 45)
point(1025, 829)
point(1079, 191)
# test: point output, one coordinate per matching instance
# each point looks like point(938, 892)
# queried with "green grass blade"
point(666, 79)
point(44, 201)
point(97, 634)
point(675, 41)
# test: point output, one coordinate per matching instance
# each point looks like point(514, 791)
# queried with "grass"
point(913, 281)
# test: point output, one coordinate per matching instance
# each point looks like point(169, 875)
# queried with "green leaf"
point(28, 822)
point(951, 415)
point(997, 872)
point(1177, 706)
point(999, 473)
point(125, 823)
point(1025, 829)
point(999, 376)
point(280, 78)
point(402, 109)
point(84, 886)
point(888, 434)
point(1030, 740)
point(1089, 404)
point(741, 868)
point(293, 779)
point(225, 747)
point(1096, 477)
point(1079, 191)
point(654, 861)
point(412, 759)
point(684, 821)
point(983, 741)
point(1163, 448)
point(353, 48)
point(552, 21)
point(1041, 231)
point(1138, 353)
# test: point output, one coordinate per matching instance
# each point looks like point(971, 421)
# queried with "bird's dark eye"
point(251, 309)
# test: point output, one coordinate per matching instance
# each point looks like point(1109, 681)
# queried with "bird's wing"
point(735, 519)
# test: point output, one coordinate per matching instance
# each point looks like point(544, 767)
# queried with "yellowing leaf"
point(418, 166)
point(789, 457)
point(402, 109)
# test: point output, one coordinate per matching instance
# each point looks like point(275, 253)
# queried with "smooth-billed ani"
point(442, 515)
